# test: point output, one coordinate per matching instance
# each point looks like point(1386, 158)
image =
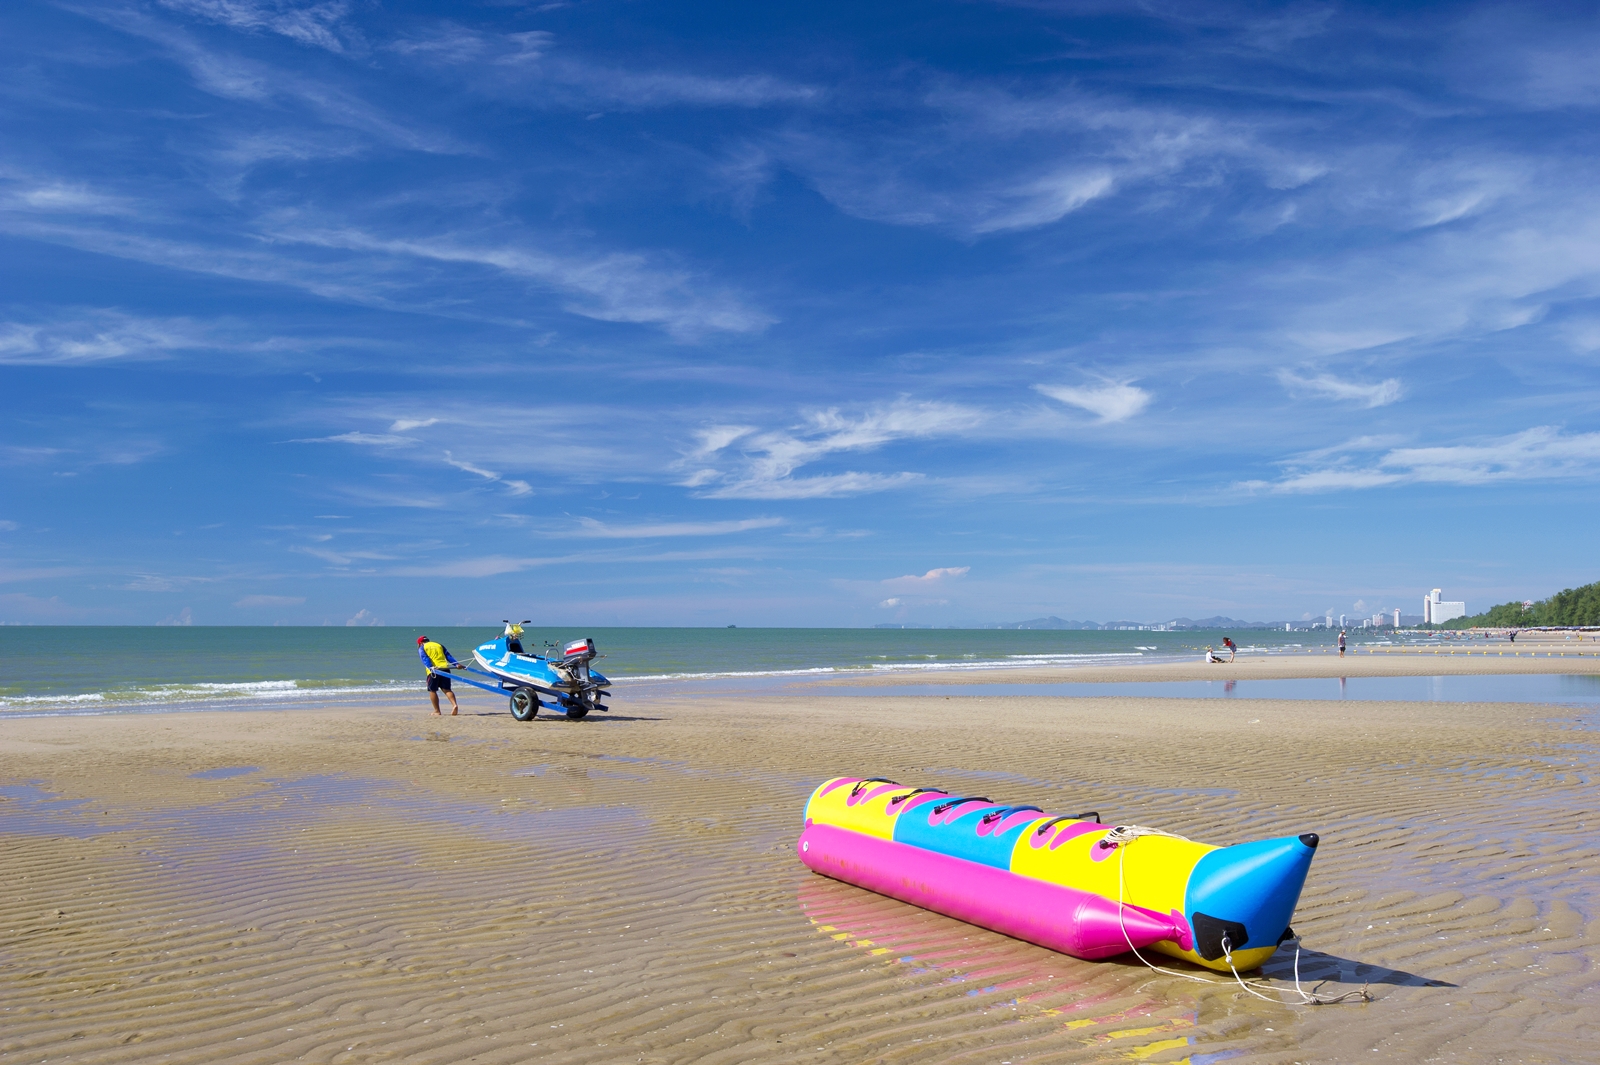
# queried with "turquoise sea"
point(86, 669)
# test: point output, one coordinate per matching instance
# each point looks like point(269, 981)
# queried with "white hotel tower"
point(1435, 612)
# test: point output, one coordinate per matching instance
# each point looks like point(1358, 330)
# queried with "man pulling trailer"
point(562, 679)
point(436, 660)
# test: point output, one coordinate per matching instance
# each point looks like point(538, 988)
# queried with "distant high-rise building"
point(1436, 611)
point(1341, 621)
point(1397, 617)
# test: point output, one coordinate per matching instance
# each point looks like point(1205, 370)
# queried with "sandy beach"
point(382, 885)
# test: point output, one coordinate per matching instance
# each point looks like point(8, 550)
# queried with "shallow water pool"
point(1564, 689)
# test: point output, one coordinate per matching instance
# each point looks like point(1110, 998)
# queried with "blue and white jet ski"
point(564, 677)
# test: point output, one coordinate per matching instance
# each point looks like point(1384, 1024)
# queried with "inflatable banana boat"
point(1068, 883)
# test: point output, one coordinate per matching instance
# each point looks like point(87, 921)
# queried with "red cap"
point(422, 639)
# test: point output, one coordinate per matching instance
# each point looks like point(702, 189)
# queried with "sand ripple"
point(625, 890)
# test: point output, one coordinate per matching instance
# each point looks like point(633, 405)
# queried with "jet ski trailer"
point(556, 680)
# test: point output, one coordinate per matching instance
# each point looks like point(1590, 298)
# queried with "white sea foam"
point(186, 695)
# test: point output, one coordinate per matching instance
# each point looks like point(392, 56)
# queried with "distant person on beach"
point(1212, 658)
point(436, 657)
point(1233, 648)
point(1341, 643)
point(1513, 635)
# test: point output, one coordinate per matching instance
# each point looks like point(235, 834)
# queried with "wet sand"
point(382, 885)
point(1468, 660)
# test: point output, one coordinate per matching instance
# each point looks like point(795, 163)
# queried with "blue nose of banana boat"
point(1242, 897)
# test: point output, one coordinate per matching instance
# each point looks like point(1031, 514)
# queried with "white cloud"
point(518, 488)
point(592, 528)
point(314, 24)
point(90, 335)
point(933, 576)
point(980, 159)
point(9, 526)
point(486, 566)
point(764, 464)
point(1043, 200)
point(1380, 394)
point(402, 425)
point(1539, 454)
point(1113, 401)
point(526, 68)
point(359, 438)
point(905, 601)
point(714, 438)
point(340, 558)
point(363, 617)
point(250, 601)
point(618, 287)
point(234, 77)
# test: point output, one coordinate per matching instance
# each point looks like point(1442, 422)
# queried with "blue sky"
point(793, 314)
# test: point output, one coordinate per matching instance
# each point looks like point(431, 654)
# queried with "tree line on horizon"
point(1572, 606)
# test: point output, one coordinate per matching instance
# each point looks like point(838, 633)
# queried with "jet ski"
point(564, 676)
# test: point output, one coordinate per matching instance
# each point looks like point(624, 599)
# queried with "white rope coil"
point(1120, 837)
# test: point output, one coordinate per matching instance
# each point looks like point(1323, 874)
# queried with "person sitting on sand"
point(1212, 658)
point(434, 658)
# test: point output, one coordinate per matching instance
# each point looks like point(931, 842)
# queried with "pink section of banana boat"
point(1073, 922)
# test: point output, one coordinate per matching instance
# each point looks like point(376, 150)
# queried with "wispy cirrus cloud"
point(527, 68)
point(1379, 394)
point(482, 566)
point(360, 439)
point(391, 271)
point(518, 488)
point(320, 25)
point(94, 335)
point(234, 77)
point(1544, 453)
point(342, 558)
point(590, 528)
point(618, 287)
point(732, 462)
point(1111, 401)
point(983, 159)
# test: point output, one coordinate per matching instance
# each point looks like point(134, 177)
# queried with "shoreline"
point(1316, 663)
point(1311, 664)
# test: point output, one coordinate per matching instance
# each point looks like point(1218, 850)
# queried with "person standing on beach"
point(1233, 648)
point(434, 658)
point(1341, 643)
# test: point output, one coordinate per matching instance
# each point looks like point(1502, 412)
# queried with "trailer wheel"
point(524, 704)
point(577, 711)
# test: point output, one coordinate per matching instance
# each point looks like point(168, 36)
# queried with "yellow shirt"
point(434, 654)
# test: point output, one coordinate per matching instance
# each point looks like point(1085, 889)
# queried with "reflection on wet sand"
point(630, 892)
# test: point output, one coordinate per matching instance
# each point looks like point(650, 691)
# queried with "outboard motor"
point(574, 659)
point(577, 649)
